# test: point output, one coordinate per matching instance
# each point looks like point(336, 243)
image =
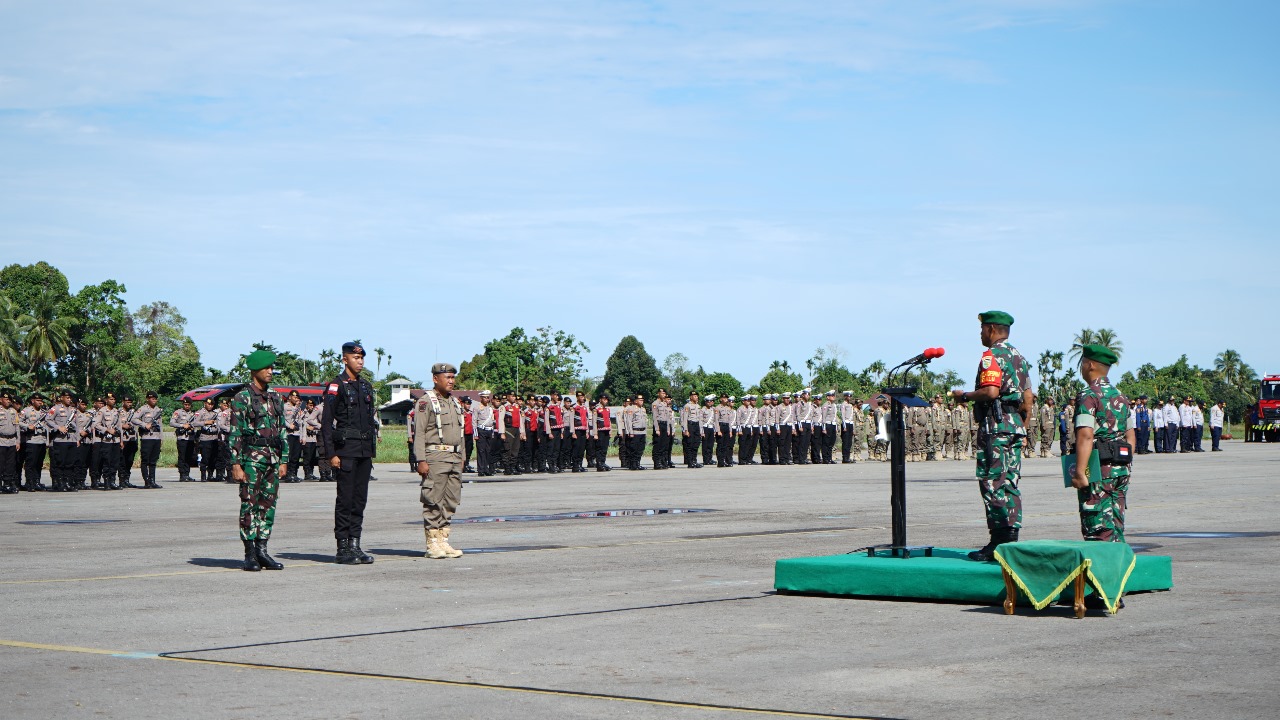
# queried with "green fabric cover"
point(948, 575)
point(1044, 568)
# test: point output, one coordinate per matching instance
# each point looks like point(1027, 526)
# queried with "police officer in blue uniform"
point(349, 435)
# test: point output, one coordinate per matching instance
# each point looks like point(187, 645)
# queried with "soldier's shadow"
point(395, 553)
point(313, 557)
point(215, 562)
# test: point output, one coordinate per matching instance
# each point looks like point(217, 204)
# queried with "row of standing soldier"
point(552, 433)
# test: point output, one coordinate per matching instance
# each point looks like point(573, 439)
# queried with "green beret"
point(996, 317)
point(1099, 353)
point(259, 359)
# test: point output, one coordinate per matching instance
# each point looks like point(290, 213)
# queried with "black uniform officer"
point(349, 436)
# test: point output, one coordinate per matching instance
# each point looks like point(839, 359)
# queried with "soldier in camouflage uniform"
point(1002, 398)
point(1047, 418)
point(257, 445)
point(1103, 419)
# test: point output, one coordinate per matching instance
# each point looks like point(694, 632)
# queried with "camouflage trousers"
point(999, 469)
point(258, 500)
point(1102, 507)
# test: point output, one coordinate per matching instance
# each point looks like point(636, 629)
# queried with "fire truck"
point(1268, 425)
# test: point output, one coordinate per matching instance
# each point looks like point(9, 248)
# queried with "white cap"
point(485, 393)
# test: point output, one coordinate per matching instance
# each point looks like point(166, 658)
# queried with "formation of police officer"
point(348, 433)
point(87, 448)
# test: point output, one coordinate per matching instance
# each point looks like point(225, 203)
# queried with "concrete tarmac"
point(144, 613)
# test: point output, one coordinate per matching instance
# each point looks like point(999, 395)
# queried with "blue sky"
point(737, 181)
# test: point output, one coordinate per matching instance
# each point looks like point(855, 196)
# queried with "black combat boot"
point(364, 557)
point(251, 557)
point(125, 483)
point(154, 485)
point(345, 556)
point(266, 561)
point(999, 536)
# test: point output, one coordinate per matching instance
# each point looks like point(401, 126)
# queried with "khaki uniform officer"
point(437, 443)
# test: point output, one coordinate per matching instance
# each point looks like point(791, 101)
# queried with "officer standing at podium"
point(1002, 401)
point(348, 433)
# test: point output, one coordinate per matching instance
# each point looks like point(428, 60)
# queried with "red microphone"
point(927, 355)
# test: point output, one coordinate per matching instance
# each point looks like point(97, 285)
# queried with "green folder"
point(1069, 464)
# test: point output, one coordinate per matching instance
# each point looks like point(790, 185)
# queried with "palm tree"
point(379, 352)
point(47, 336)
point(876, 370)
point(1228, 365)
point(10, 336)
point(1086, 336)
point(1106, 337)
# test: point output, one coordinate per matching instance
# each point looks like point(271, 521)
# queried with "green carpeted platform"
point(948, 575)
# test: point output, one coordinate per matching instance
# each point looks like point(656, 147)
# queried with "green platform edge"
point(948, 575)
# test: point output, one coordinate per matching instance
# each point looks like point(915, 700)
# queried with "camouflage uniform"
point(1102, 504)
point(1001, 434)
point(256, 443)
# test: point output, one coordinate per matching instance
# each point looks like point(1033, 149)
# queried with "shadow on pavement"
point(215, 562)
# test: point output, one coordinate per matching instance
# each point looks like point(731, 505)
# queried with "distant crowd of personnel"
point(96, 446)
point(568, 433)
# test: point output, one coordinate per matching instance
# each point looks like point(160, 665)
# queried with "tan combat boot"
point(434, 551)
point(449, 550)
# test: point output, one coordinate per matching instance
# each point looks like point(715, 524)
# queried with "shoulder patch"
point(332, 389)
point(423, 405)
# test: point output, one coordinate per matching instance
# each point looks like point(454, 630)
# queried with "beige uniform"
point(437, 440)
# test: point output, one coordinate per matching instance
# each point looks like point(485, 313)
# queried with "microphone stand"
point(902, 395)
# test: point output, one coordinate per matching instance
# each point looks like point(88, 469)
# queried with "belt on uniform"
point(444, 448)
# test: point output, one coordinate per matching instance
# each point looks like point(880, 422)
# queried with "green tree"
point(99, 320)
point(780, 379)
point(827, 372)
point(27, 284)
point(721, 383)
point(46, 336)
point(557, 360)
point(1085, 337)
point(163, 357)
point(630, 370)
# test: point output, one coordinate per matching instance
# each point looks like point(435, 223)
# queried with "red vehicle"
point(1268, 409)
point(227, 390)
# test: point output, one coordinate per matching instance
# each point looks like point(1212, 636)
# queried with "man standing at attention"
point(257, 447)
point(349, 436)
point(1002, 399)
point(437, 443)
point(1103, 422)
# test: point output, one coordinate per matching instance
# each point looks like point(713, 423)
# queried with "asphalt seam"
point(463, 684)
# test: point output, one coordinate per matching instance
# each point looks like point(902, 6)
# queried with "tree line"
point(92, 342)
